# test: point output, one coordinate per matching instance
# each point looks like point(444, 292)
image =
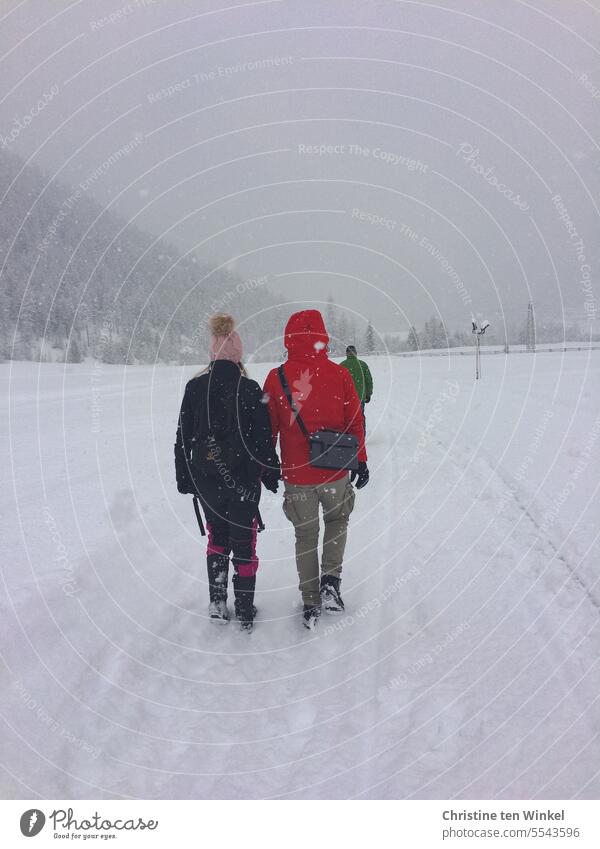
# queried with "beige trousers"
point(301, 506)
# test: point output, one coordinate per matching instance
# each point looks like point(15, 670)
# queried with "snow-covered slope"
point(467, 662)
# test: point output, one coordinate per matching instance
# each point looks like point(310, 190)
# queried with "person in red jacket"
point(325, 395)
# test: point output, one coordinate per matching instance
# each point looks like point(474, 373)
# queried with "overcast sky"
point(410, 158)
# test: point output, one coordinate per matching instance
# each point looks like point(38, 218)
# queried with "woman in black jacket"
point(223, 450)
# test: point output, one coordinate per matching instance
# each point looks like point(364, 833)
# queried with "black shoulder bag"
point(328, 449)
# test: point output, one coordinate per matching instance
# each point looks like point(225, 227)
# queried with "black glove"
point(270, 479)
point(361, 475)
point(367, 399)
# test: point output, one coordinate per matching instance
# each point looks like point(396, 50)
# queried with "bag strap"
point(291, 402)
point(198, 516)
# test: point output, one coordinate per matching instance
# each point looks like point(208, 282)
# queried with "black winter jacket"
point(223, 377)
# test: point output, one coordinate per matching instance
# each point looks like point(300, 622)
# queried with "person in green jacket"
point(361, 376)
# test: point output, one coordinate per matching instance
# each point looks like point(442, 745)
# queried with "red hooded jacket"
point(323, 392)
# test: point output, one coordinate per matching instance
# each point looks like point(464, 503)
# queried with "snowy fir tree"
point(73, 351)
point(331, 321)
point(369, 339)
point(412, 342)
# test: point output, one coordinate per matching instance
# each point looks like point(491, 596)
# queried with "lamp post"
point(478, 331)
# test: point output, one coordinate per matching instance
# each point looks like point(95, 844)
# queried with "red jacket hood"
point(306, 335)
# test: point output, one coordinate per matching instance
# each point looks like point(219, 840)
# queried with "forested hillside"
point(76, 281)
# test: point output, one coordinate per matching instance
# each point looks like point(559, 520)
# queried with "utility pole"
point(530, 337)
point(478, 331)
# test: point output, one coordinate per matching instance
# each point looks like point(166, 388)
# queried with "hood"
point(305, 335)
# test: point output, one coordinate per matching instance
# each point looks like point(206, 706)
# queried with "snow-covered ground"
point(466, 665)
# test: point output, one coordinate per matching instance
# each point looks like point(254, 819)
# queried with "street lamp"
point(478, 330)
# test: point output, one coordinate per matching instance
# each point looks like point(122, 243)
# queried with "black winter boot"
point(331, 599)
point(245, 610)
point(310, 616)
point(218, 572)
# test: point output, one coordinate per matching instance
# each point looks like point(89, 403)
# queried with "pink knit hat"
point(225, 342)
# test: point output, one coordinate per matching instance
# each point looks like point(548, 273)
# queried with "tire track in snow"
point(514, 497)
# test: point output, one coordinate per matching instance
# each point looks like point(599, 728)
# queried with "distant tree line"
point(434, 334)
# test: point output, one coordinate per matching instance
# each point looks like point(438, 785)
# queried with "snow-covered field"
point(466, 665)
